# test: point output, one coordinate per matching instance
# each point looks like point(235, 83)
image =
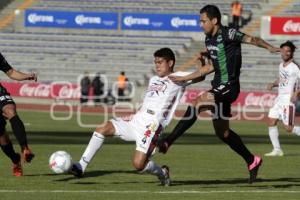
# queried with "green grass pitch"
point(201, 166)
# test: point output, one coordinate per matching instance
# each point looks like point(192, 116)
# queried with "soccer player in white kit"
point(144, 127)
point(284, 107)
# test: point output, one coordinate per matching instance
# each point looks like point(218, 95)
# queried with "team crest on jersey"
point(219, 38)
point(231, 33)
point(158, 87)
point(150, 129)
point(283, 78)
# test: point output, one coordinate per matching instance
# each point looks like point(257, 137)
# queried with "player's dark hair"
point(289, 44)
point(165, 53)
point(212, 11)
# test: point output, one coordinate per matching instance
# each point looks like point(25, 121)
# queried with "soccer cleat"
point(163, 146)
point(76, 170)
point(27, 155)
point(17, 168)
point(165, 179)
point(275, 152)
point(253, 168)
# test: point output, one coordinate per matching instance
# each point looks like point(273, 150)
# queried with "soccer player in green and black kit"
point(223, 54)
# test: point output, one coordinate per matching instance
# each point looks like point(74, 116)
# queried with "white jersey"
point(288, 81)
point(162, 98)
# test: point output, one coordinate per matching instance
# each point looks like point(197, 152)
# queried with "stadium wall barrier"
point(71, 91)
point(245, 99)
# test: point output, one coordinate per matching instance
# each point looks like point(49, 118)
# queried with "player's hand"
point(294, 97)
point(177, 79)
point(32, 76)
point(270, 86)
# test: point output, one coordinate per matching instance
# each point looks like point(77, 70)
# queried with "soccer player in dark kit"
point(223, 57)
point(8, 112)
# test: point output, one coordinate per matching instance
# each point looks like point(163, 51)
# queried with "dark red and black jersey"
point(4, 65)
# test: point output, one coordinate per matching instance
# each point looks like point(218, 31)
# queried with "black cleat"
point(253, 168)
point(163, 146)
point(27, 155)
point(76, 170)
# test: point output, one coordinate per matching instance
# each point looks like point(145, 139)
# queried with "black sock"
point(236, 144)
point(19, 131)
point(189, 118)
point(9, 151)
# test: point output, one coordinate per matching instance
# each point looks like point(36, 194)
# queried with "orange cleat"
point(17, 168)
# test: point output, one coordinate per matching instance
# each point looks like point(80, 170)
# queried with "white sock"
point(273, 133)
point(296, 130)
point(94, 145)
point(154, 169)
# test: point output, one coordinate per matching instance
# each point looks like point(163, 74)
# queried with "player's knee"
point(9, 112)
point(271, 122)
point(138, 165)
point(105, 129)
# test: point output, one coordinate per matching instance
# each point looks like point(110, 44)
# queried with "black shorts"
point(224, 95)
point(5, 99)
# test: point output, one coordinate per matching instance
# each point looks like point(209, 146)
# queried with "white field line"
point(150, 192)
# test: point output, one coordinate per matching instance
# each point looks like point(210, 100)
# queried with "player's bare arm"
point(20, 76)
point(203, 71)
point(201, 64)
point(295, 96)
point(200, 56)
point(270, 86)
point(257, 41)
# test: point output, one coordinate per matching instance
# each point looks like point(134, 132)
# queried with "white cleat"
point(165, 180)
point(275, 152)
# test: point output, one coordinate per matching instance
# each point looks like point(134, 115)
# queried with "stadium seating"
point(60, 54)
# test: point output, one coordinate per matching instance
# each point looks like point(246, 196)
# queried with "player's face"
point(207, 24)
point(162, 66)
point(286, 53)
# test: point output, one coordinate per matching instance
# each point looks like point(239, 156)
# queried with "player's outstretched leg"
point(253, 168)
point(189, 118)
point(9, 111)
point(274, 137)
point(96, 141)
point(163, 173)
point(9, 151)
point(94, 145)
point(234, 141)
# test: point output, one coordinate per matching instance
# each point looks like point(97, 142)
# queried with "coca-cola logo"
point(40, 90)
point(50, 91)
point(265, 100)
point(66, 92)
point(291, 26)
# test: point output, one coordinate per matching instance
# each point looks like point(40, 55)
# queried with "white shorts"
point(283, 112)
point(142, 129)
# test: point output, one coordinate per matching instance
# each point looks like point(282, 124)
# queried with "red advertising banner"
point(285, 26)
point(248, 99)
point(58, 90)
point(62, 90)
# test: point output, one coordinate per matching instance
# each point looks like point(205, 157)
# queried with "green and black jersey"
point(225, 52)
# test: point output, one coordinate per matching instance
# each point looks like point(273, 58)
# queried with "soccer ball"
point(60, 162)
